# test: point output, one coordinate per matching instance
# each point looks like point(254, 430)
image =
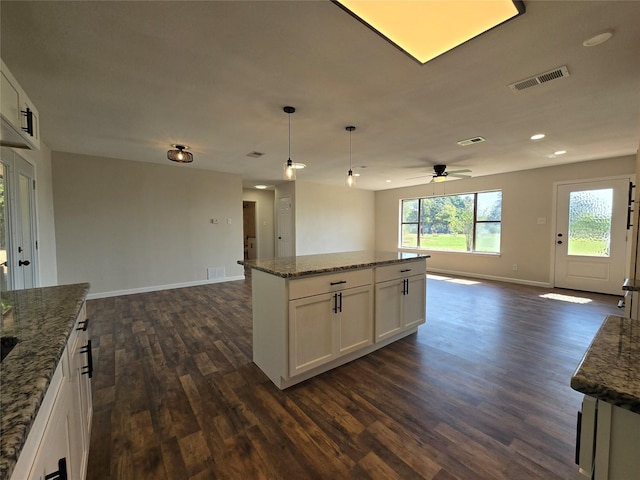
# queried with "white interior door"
point(19, 223)
point(285, 245)
point(591, 235)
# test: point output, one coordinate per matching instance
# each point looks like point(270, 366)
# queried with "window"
point(470, 222)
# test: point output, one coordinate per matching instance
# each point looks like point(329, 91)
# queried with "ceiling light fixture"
point(289, 167)
point(538, 136)
point(260, 187)
point(425, 30)
point(179, 155)
point(350, 180)
point(560, 152)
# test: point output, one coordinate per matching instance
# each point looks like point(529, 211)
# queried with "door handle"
point(26, 263)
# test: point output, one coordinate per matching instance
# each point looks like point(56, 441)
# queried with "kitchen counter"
point(610, 369)
point(290, 267)
point(41, 318)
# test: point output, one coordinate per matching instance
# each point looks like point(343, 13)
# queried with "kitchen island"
point(45, 400)
point(313, 313)
point(609, 427)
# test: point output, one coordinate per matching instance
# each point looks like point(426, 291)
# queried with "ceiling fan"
point(440, 173)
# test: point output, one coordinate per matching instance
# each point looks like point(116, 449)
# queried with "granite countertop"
point(289, 267)
point(610, 369)
point(42, 319)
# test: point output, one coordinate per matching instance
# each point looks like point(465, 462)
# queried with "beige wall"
point(526, 197)
point(127, 226)
point(333, 219)
point(265, 219)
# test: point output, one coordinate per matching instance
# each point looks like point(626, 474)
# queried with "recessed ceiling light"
point(356, 174)
point(537, 136)
point(298, 166)
point(388, 181)
point(260, 187)
point(597, 39)
point(425, 30)
point(560, 152)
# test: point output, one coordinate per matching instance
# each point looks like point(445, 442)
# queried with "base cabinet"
point(400, 294)
point(59, 438)
point(608, 441)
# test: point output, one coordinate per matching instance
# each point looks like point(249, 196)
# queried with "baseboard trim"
point(155, 288)
point(489, 277)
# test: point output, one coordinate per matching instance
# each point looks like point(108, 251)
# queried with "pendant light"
point(350, 181)
point(289, 167)
point(179, 155)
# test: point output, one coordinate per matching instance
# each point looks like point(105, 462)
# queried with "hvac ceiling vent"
point(255, 154)
point(545, 77)
point(471, 141)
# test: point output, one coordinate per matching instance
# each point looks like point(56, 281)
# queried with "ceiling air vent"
point(255, 154)
point(471, 141)
point(545, 77)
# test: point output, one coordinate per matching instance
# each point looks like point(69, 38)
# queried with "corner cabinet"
point(19, 118)
point(57, 446)
point(400, 298)
point(304, 326)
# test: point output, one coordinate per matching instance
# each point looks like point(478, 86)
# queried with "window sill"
point(428, 251)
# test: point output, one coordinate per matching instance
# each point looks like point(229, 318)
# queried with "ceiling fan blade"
point(457, 175)
point(465, 170)
point(421, 176)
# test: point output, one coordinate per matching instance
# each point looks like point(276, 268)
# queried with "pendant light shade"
point(179, 155)
point(289, 167)
point(350, 181)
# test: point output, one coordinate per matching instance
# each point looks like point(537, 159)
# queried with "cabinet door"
point(311, 332)
point(355, 319)
point(414, 302)
point(388, 309)
point(55, 441)
point(79, 404)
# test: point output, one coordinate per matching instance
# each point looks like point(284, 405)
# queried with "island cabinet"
point(313, 313)
point(57, 446)
point(329, 316)
point(400, 298)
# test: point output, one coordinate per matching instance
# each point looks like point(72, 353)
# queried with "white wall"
point(526, 197)
point(333, 219)
point(127, 226)
point(265, 219)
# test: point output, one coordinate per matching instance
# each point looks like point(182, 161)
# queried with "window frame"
point(475, 221)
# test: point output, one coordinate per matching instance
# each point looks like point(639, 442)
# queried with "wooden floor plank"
point(481, 392)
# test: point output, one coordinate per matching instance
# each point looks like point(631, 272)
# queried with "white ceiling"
point(127, 79)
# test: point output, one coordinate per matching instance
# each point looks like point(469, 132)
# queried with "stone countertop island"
point(610, 369)
point(290, 267)
point(41, 319)
point(313, 313)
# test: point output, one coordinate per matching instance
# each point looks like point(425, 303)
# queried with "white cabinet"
point(19, 118)
point(609, 441)
point(59, 437)
point(400, 294)
point(325, 326)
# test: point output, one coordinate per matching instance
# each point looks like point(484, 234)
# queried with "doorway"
point(285, 246)
point(591, 235)
point(18, 240)
point(249, 231)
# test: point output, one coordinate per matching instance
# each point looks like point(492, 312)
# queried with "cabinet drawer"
point(401, 270)
point(330, 282)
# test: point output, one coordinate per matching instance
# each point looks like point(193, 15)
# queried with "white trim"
point(155, 288)
point(489, 277)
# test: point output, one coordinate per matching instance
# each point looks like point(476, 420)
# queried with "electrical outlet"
point(514, 267)
point(214, 221)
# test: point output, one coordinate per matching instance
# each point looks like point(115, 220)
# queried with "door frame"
point(631, 177)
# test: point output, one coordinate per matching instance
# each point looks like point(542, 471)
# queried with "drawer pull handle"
point(88, 368)
point(338, 283)
point(83, 325)
point(61, 473)
point(405, 271)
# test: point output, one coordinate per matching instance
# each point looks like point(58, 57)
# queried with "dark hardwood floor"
point(480, 392)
